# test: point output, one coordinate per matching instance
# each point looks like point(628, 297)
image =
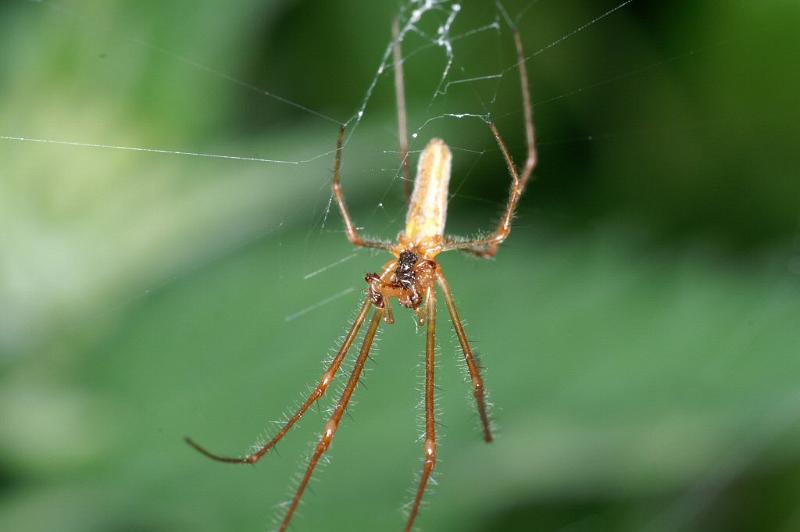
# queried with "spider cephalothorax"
point(408, 282)
point(411, 277)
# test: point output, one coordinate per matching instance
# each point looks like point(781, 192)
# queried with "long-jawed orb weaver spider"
point(411, 278)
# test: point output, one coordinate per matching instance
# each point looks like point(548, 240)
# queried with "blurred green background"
point(639, 328)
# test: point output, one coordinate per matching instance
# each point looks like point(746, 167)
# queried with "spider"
point(410, 278)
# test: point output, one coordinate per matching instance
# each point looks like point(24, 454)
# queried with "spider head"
point(413, 277)
point(408, 284)
point(406, 261)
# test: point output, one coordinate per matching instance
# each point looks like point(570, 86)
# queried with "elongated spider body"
point(423, 237)
point(410, 277)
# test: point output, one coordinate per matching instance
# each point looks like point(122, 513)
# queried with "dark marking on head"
point(408, 257)
point(406, 261)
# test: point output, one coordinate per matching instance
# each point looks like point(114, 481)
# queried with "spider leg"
point(329, 430)
point(472, 365)
point(350, 228)
point(430, 407)
point(315, 395)
point(400, 94)
point(487, 247)
point(530, 133)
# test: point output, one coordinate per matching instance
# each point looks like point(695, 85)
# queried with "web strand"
point(193, 63)
point(161, 151)
point(572, 33)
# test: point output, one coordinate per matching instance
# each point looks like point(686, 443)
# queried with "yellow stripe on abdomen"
point(427, 211)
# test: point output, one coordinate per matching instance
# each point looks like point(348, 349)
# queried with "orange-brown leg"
point(350, 228)
point(430, 408)
point(487, 247)
point(315, 395)
point(329, 431)
point(472, 365)
point(400, 94)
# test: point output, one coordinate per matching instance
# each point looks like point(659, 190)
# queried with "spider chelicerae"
point(411, 278)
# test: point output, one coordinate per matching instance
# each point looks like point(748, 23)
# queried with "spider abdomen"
point(427, 210)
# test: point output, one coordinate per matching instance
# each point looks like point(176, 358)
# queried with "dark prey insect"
point(410, 278)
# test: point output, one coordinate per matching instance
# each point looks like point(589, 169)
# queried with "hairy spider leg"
point(487, 247)
point(400, 95)
point(329, 431)
point(350, 228)
point(430, 407)
point(530, 133)
point(472, 364)
point(316, 393)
